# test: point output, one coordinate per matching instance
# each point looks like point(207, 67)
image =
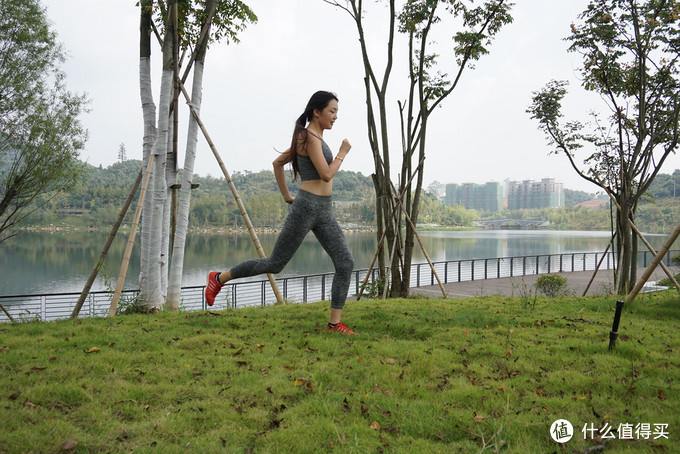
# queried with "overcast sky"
point(254, 91)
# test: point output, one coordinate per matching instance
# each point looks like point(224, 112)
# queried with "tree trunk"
point(151, 295)
point(149, 116)
point(177, 265)
point(184, 203)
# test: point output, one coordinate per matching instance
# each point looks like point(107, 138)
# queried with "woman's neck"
point(315, 132)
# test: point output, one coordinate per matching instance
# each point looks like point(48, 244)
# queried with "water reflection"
point(41, 262)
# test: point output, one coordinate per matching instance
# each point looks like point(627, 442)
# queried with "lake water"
point(44, 262)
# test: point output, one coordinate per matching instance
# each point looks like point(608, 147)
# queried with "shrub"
point(551, 285)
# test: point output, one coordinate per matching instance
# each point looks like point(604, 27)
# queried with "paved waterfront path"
point(521, 285)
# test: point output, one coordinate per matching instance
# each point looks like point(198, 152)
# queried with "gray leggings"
point(307, 212)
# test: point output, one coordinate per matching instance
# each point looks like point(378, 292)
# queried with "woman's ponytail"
point(318, 101)
point(298, 141)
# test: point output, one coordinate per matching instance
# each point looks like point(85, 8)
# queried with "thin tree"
point(428, 89)
point(630, 52)
point(122, 153)
point(476, 26)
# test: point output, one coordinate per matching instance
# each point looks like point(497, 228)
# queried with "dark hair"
point(318, 101)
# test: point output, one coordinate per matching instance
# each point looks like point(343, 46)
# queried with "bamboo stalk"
point(131, 240)
point(107, 245)
point(234, 192)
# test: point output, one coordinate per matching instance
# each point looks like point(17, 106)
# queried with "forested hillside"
point(97, 199)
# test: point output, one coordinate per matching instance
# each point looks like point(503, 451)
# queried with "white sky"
point(254, 91)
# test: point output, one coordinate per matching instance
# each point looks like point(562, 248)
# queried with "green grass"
point(425, 375)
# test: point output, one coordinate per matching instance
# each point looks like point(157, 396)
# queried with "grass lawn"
point(424, 376)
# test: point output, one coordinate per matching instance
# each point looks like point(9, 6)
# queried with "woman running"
point(313, 161)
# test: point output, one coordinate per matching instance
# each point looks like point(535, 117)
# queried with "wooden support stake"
point(6, 313)
point(107, 245)
point(644, 240)
point(597, 268)
point(131, 239)
point(422, 247)
point(239, 202)
point(650, 269)
point(370, 268)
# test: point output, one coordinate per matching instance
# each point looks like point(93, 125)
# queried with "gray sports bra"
point(306, 167)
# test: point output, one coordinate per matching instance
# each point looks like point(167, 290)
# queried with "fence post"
point(304, 289)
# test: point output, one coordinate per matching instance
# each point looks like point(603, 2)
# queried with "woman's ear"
point(316, 113)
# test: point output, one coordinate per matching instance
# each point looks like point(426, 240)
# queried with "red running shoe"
point(341, 328)
point(212, 288)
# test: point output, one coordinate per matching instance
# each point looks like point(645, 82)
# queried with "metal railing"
point(315, 287)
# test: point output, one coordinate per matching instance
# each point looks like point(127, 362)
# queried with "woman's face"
point(328, 115)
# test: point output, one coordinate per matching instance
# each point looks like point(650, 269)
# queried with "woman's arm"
point(326, 171)
point(279, 162)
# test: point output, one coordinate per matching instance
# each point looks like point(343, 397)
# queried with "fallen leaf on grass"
point(661, 394)
point(68, 445)
point(92, 350)
point(478, 418)
point(15, 396)
point(28, 403)
point(375, 425)
point(38, 368)
point(539, 392)
point(305, 382)
point(346, 406)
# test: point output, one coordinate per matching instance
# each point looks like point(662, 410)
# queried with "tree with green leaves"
point(40, 130)
point(630, 51)
point(474, 26)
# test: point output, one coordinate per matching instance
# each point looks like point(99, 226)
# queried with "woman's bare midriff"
point(317, 187)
